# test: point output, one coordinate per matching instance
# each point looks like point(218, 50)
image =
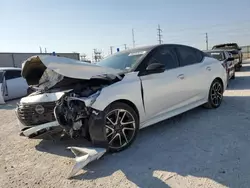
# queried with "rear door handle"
point(208, 68)
point(181, 76)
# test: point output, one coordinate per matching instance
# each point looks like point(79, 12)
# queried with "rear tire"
point(122, 126)
point(215, 95)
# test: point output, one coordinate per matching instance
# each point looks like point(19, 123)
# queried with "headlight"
point(91, 99)
point(87, 100)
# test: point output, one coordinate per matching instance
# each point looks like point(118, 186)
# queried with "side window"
point(188, 55)
point(12, 74)
point(166, 56)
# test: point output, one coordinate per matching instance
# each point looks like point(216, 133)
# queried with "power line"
point(207, 41)
point(159, 31)
point(133, 38)
point(111, 49)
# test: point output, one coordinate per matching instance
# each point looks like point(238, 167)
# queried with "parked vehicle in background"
point(234, 49)
point(226, 60)
point(12, 84)
point(108, 102)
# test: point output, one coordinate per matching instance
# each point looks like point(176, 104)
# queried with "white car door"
point(162, 91)
point(196, 73)
point(16, 85)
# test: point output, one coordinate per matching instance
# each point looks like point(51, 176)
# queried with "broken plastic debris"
point(85, 156)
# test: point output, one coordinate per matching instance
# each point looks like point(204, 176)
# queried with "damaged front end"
point(64, 91)
point(75, 115)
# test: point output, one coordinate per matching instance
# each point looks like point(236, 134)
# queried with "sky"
point(82, 25)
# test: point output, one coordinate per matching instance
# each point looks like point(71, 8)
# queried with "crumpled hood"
point(34, 67)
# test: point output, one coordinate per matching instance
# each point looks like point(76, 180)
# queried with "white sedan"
point(108, 102)
point(12, 84)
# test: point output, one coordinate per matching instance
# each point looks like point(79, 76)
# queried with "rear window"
point(217, 55)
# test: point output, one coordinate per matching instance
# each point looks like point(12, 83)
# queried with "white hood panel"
point(69, 67)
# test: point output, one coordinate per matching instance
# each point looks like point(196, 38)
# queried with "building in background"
point(16, 59)
point(83, 58)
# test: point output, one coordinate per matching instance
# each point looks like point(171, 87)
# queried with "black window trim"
point(203, 55)
point(141, 67)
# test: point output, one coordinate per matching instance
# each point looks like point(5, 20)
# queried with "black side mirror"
point(230, 59)
point(239, 48)
point(155, 68)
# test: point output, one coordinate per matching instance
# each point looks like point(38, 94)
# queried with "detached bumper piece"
point(97, 132)
point(85, 156)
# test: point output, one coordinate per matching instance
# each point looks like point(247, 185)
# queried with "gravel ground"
point(200, 148)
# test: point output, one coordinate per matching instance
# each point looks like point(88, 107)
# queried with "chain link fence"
point(245, 51)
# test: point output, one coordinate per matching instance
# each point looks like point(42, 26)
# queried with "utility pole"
point(207, 41)
point(133, 38)
point(111, 49)
point(40, 49)
point(45, 50)
point(159, 34)
point(125, 46)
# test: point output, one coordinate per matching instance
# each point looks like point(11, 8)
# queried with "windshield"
point(1, 77)
point(122, 61)
point(226, 46)
point(217, 55)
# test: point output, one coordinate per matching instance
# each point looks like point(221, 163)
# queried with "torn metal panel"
point(85, 156)
point(50, 78)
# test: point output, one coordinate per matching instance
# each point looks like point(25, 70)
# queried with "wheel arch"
point(129, 103)
point(218, 78)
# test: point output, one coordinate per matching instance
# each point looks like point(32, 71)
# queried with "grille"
point(29, 117)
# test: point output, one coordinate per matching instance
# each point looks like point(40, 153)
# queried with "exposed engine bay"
point(73, 110)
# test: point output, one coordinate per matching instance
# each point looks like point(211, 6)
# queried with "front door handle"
point(181, 76)
point(208, 68)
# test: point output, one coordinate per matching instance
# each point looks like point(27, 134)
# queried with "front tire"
point(215, 95)
point(122, 126)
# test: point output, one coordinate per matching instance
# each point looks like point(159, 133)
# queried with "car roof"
point(9, 68)
point(142, 48)
point(150, 47)
point(232, 43)
point(215, 50)
point(225, 44)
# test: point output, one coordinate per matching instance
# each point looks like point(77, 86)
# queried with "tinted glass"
point(217, 55)
point(188, 55)
point(123, 61)
point(166, 56)
point(11, 74)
